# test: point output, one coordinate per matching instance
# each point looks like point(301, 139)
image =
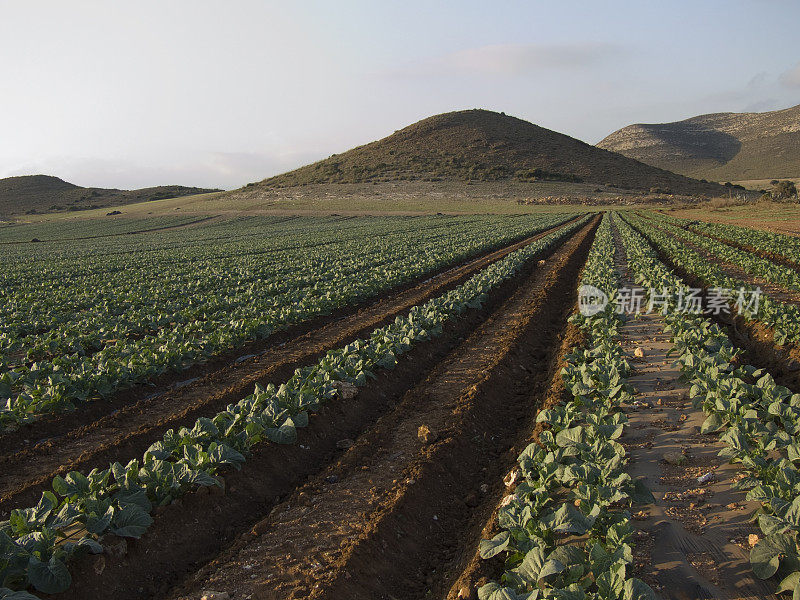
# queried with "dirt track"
point(692, 543)
point(362, 524)
point(121, 430)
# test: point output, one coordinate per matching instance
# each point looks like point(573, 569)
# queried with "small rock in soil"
point(346, 390)
point(674, 458)
point(511, 478)
point(345, 444)
point(638, 353)
point(115, 548)
point(99, 564)
point(332, 479)
point(426, 435)
point(706, 478)
point(471, 500)
point(484, 488)
point(752, 539)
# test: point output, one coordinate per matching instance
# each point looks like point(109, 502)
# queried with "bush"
point(783, 190)
point(717, 203)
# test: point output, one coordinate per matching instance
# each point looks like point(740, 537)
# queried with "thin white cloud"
point(511, 60)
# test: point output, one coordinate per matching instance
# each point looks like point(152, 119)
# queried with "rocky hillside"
point(481, 145)
point(717, 147)
point(31, 194)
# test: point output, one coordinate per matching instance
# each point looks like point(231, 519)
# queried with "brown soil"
point(390, 516)
point(194, 531)
point(683, 547)
point(367, 532)
point(123, 428)
point(472, 571)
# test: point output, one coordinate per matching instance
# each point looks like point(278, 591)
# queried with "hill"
point(717, 147)
point(31, 194)
point(482, 145)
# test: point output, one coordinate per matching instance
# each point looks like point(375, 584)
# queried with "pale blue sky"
point(128, 94)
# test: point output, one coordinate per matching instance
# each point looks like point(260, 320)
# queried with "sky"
point(221, 93)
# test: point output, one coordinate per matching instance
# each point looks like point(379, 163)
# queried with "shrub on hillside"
point(784, 190)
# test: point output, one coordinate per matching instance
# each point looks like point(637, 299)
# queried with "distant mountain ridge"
point(717, 147)
point(484, 145)
point(44, 193)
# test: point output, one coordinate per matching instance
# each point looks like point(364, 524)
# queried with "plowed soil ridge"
point(472, 571)
point(82, 442)
point(399, 508)
point(189, 533)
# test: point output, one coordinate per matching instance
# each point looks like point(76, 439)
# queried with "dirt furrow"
point(472, 571)
point(692, 543)
point(405, 503)
point(189, 533)
point(123, 431)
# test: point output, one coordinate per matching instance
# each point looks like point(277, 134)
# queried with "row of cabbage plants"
point(81, 325)
point(744, 259)
point(82, 229)
point(759, 421)
point(119, 499)
point(566, 531)
point(782, 318)
point(779, 244)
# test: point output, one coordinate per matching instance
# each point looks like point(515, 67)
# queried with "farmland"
point(114, 318)
point(274, 406)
